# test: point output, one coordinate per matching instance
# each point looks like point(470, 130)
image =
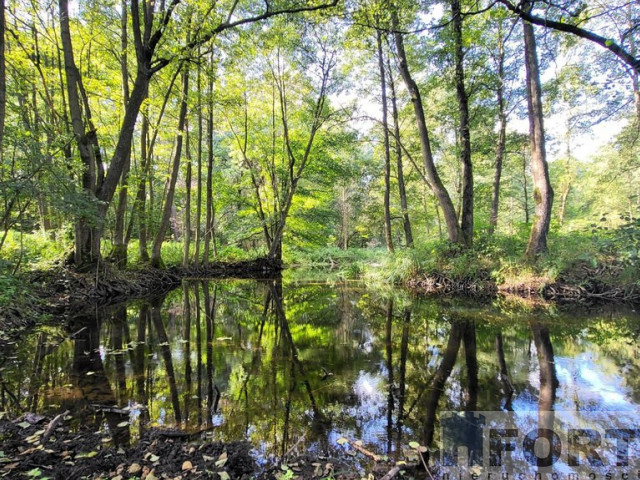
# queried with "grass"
point(614, 253)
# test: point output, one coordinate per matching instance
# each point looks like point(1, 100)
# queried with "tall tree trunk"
point(198, 239)
point(187, 207)
point(87, 239)
point(387, 153)
point(502, 136)
point(466, 217)
point(120, 241)
point(408, 234)
point(156, 250)
point(449, 211)
point(3, 78)
point(525, 187)
point(209, 220)
point(543, 193)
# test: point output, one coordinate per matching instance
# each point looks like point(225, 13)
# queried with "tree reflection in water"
point(300, 365)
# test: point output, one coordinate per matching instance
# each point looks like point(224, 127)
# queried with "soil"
point(82, 453)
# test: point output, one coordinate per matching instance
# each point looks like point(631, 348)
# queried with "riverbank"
point(60, 448)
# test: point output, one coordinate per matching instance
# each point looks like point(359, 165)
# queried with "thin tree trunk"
point(466, 217)
point(502, 137)
point(525, 187)
point(156, 250)
point(387, 153)
point(120, 241)
point(450, 216)
point(3, 78)
point(408, 233)
point(543, 192)
point(208, 229)
point(198, 239)
point(563, 202)
point(187, 207)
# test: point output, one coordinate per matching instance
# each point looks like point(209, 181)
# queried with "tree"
point(466, 217)
point(149, 27)
point(543, 192)
point(431, 173)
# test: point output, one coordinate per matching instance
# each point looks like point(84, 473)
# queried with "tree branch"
point(606, 43)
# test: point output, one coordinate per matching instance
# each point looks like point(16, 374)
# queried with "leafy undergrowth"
point(579, 258)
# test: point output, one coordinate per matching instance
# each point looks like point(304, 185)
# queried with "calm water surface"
point(303, 364)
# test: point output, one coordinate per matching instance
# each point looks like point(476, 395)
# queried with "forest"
point(279, 239)
point(458, 136)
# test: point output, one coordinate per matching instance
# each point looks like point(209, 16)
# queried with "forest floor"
point(39, 447)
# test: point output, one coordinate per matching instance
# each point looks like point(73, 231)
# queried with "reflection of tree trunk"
point(118, 321)
point(440, 378)
point(89, 376)
point(319, 426)
point(186, 336)
point(34, 384)
point(138, 364)
point(165, 351)
point(507, 386)
point(198, 352)
point(210, 316)
point(404, 349)
point(548, 378)
point(548, 383)
point(389, 348)
point(471, 358)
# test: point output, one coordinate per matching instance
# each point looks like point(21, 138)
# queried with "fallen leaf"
point(187, 465)
point(134, 469)
point(224, 475)
point(414, 445)
point(122, 424)
point(342, 441)
point(222, 459)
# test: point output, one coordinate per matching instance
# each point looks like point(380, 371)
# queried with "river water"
point(300, 365)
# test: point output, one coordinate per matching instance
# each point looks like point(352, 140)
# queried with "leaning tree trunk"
point(408, 233)
point(156, 250)
point(466, 218)
point(387, 153)
point(543, 193)
point(439, 190)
